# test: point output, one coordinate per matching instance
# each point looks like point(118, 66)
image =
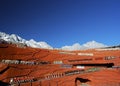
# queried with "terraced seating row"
point(109, 57)
point(116, 67)
point(73, 72)
point(67, 73)
point(92, 70)
point(70, 53)
point(18, 80)
point(79, 60)
point(10, 61)
point(85, 54)
point(54, 75)
point(66, 66)
point(57, 62)
point(23, 62)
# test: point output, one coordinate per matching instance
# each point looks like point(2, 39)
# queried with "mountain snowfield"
point(16, 39)
point(32, 43)
point(88, 45)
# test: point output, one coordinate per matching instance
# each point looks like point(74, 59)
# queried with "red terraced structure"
point(51, 74)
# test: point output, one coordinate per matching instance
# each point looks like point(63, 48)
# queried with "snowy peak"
point(16, 39)
point(88, 45)
point(11, 38)
point(32, 43)
point(75, 46)
point(94, 44)
point(35, 44)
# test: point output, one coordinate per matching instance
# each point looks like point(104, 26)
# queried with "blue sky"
point(62, 22)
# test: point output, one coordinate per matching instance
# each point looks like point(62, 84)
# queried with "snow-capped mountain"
point(32, 43)
point(16, 39)
point(11, 38)
point(94, 44)
point(75, 46)
point(88, 45)
point(35, 44)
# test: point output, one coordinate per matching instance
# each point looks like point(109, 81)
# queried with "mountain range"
point(15, 39)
